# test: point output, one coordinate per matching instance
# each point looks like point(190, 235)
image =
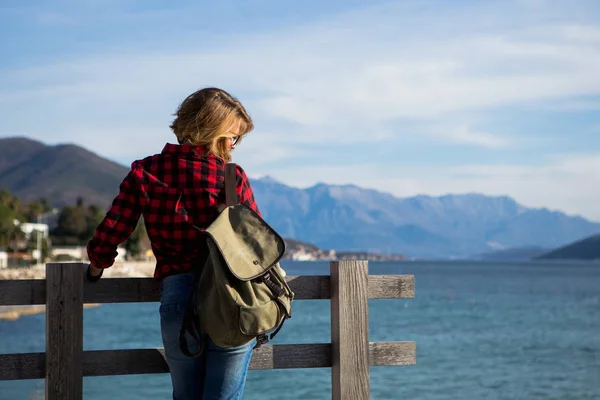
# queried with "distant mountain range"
point(343, 218)
point(451, 226)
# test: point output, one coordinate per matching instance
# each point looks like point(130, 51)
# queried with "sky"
point(500, 97)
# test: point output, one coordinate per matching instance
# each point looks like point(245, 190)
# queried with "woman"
point(180, 187)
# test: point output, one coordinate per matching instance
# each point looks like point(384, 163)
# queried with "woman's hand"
point(93, 274)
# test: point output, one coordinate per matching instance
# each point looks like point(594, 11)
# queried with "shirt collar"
point(184, 149)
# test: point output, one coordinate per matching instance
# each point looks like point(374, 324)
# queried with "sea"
point(483, 331)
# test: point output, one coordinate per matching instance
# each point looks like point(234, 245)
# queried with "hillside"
point(344, 218)
point(61, 173)
point(586, 249)
point(15, 151)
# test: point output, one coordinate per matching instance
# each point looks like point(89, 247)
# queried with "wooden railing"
point(64, 364)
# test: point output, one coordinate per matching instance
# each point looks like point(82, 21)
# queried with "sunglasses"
point(235, 140)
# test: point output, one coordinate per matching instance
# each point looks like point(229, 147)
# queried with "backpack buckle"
point(260, 340)
point(275, 288)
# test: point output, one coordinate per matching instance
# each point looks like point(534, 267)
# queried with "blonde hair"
point(207, 117)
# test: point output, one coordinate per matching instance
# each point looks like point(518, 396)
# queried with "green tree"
point(94, 216)
point(46, 207)
point(33, 210)
point(5, 197)
point(72, 225)
point(9, 200)
point(7, 217)
point(138, 241)
point(16, 238)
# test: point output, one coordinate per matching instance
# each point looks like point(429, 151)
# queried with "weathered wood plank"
point(15, 367)
point(151, 361)
point(392, 353)
point(122, 290)
point(22, 292)
point(125, 290)
point(391, 286)
point(124, 362)
point(285, 356)
point(309, 287)
point(64, 331)
point(349, 330)
point(147, 361)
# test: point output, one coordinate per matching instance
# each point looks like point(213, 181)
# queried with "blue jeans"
point(219, 373)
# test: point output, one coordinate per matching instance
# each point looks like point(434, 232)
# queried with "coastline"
point(13, 313)
point(118, 270)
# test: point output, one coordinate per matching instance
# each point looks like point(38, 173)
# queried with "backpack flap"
point(249, 246)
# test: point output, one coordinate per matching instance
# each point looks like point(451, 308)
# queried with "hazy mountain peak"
point(11, 140)
point(268, 179)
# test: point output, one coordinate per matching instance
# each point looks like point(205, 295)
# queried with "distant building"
point(3, 259)
point(19, 259)
point(75, 253)
point(303, 256)
point(29, 227)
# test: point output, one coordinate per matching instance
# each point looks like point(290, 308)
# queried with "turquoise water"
point(483, 331)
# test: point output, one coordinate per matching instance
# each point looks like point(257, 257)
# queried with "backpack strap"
point(189, 318)
point(231, 184)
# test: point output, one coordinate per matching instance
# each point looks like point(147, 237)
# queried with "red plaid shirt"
point(181, 186)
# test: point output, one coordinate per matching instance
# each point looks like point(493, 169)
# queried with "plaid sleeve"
point(118, 223)
point(245, 191)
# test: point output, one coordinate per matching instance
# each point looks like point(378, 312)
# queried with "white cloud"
point(338, 74)
point(465, 135)
point(570, 105)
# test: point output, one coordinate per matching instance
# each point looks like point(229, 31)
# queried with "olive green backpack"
point(240, 293)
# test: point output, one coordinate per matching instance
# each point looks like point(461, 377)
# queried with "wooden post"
point(64, 331)
point(350, 330)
